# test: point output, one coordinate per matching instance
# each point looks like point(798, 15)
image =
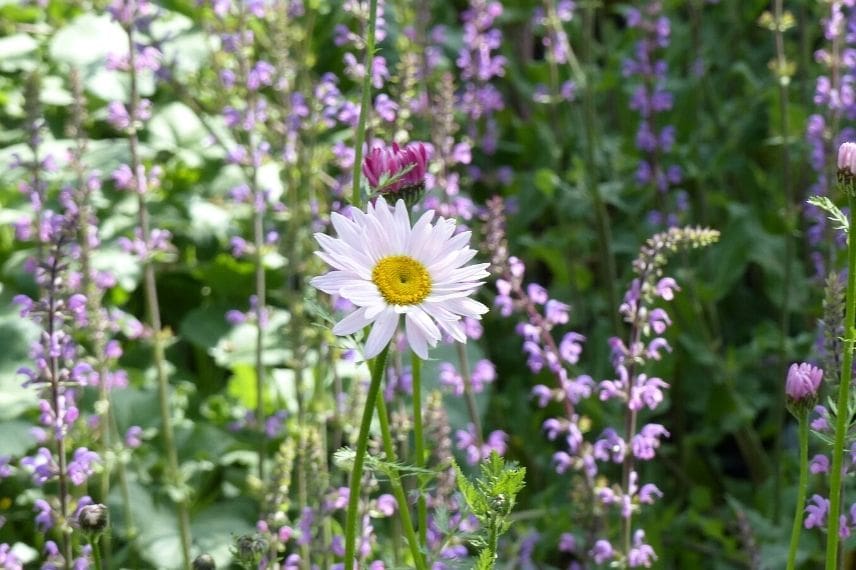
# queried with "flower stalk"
point(365, 104)
point(56, 392)
point(801, 491)
point(419, 444)
point(397, 487)
point(842, 410)
point(378, 368)
point(152, 303)
point(604, 232)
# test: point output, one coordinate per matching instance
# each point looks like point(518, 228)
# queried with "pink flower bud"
point(847, 158)
point(803, 381)
point(391, 169)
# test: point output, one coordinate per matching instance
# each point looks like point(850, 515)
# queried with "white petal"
point(374, 310)
point(445, 267)
point(333, 281)
point(438, 312)
point(352, 323)
point(347, 229)
point(345, 264)
point(420, 235)
point(421, 319)
point(454, 329)
point(362, 293)
point(382, 332)
point(470, 273)
point(415, 338)
point(465, 306)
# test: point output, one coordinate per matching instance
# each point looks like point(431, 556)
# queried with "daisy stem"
point(801, 492)
point(842, 410)
point(378, 366)
point(397, 488)
point(416, 368)
point(360, 135)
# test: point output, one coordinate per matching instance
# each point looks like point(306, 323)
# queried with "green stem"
point(469, 395)
point(96, 553)
point(779, 409)
point(801, 492)
point(416, 368)
point(365, 105)
point(842, 411)
point(604, 231)
point(378, 367)
point(397, 488)
point(153, 308)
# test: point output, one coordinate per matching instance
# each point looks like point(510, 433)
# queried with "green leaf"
point(242, 385)
point(16, 336)
point(836, 216)
point(17, 52)
point(205, 326)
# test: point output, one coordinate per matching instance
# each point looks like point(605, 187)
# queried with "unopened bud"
point(93, 518)
point(250, 547)
point(847, 168)
point(204, 562)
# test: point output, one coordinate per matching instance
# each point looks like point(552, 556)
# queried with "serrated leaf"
point(835, 214)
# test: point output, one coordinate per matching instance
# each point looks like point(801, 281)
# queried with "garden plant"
point(433, 285)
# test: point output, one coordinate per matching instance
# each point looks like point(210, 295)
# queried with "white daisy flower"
point(388, 269)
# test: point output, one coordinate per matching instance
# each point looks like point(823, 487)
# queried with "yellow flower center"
point(402, 280)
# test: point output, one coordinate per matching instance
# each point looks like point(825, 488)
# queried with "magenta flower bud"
point(803, 382)
point(847, 158)
point(394, 170)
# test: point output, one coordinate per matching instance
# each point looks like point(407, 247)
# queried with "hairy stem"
point(842, 411)
point(378, 368)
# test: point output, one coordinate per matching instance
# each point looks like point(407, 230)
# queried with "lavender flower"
point(650, 98)
point(479, 64)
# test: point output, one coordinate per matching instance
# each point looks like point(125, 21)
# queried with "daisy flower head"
point(389, 269)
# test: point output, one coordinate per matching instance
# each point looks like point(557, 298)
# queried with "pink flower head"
point(803, 381)
point(392, 169)
point(847, 158)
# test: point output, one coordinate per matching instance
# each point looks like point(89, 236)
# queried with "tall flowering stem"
point(150, 288)
point(604, 230)
point(419, 443)
point(801, 491)
point(842, 416)
point(778, 22)
point(640, 390)
point(364, 104)
point(397, 487)
point(378, 368)
point(57, 397)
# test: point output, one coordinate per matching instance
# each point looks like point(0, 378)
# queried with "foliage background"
point(719, 466)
